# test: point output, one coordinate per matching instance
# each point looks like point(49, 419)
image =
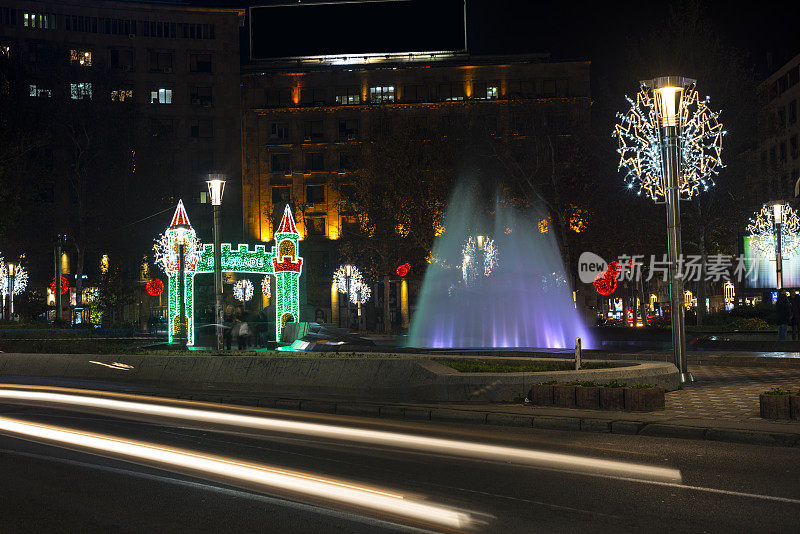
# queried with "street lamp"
point(216, 187)
point(12, 271)
point(670, 143)
point(347, 278)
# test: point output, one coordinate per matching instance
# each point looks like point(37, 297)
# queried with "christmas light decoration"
point(543, 226)
point(360, 293)
point(640, 150)
point(403, 269)
point(20, 279)
point(479, 257)
point(340, 277)
point(154, 287)
point(64, 285)
point(605, 283)
point(762, 232)
point(243, 290)
point(282, 261)
point(266, 288)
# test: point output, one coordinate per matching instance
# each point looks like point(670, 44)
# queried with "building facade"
point(779, 130)
point(303, 120)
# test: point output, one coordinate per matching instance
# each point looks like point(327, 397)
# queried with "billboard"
point(357, 28)
point(760, 269)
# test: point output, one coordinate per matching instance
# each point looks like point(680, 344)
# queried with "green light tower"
point(287, 266)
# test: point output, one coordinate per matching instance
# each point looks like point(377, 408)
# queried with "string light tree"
point(178, 252)
point(346, 278)
point(360, 294)
point(15, 280)
point(775, 232)
point(479, 257)
point(287, 266)
point(670, 146)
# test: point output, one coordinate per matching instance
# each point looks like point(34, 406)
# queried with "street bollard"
point(578, 354)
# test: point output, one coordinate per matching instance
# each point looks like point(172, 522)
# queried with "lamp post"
point(12, 271)
point(216, 187)
point(57, 277)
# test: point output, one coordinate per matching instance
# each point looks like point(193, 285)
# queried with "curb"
point(476, 417)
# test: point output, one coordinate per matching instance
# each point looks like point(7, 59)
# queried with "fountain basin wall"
point(376, 378)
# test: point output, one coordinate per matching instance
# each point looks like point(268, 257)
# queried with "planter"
point(587, 397)
point(775, 406)
point(644, 399)
point(612, 398)
point(564, 396)
point(794, 406)
point(541, 395)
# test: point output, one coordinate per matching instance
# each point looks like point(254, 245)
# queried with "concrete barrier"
point(383, 379)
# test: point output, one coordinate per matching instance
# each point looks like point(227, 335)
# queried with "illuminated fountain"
point(494, 280)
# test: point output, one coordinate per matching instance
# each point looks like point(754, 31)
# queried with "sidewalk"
point(721, 405)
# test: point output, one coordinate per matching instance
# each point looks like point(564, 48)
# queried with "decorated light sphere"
point(605, 283)
point(403, 269)
point(243, 290)
point(154, 287)
point(64, 285)
point(762, 230)
point(20, 279)
point(360, 293)
point(344, 274)
point(266, 289)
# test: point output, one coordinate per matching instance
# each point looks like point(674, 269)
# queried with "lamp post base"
point(687, 377)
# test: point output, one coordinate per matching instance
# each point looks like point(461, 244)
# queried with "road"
point(385, 476)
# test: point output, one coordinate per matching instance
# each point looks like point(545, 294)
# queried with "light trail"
point(545, 459)
point(260, 476)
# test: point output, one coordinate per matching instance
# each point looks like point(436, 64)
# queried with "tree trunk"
point(643, 301)
point(387, 326)
point(80, 253)
point(701, 289)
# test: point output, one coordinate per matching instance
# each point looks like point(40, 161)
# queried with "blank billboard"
point(357, 28)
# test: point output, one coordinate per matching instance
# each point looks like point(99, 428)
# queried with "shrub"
point(777, 391)
point(640, 385)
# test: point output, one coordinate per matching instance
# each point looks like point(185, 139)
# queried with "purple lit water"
point(525, 302)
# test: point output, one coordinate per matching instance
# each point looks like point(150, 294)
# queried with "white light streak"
point(482, 451)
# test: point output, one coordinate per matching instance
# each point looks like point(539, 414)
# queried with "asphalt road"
point(50, 488)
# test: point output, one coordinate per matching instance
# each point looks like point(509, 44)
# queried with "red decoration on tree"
point(64, 285)
point(403, 269)
point(605, 283)
point(154, 287)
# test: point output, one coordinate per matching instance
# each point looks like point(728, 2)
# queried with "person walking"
point(795, 316)
point(783, 314)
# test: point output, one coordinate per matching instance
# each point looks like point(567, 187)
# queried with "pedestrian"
point(783, 314)
point(227, 321)
point(795, 316)
point(244, 328)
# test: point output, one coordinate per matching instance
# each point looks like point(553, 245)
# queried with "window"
point(199, 62)
point(346, 162)
point(521, 123)
point(200, 96)
point(315, 225)
point(279, 130)
point(280, 194)
point(562, 87)
point(80, 91)
point(201, 128)
point(348, 95)
point(315, 194)
point(161, 127)
point(203, 161)
point(523, 89)
point(312, 96)
point(80, 57)
point(782, 118)
point(451, 91)
point(281, 163)
point(415, 93)
point(492, 92)
point(549, 88)
point(38, 91)
point(42, 21)
point(312, 131)
point(314, 162)
point(783, 152)
point(122, 59)
point(793, 112)
point(485, 91)
point(348, 129)
point(794, 148)
point(278, 97)
point(160, 61)
point(488, 123)
point(8, 16)
point(122, 95)
point(419, 127)
point(161, 96)
point(381, 94)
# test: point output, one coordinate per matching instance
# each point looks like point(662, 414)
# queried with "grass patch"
point(489, 366)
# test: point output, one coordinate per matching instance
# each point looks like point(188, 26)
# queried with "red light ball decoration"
point(403, 269)
point(154, 287)
point(64, 285)
point(605, 283)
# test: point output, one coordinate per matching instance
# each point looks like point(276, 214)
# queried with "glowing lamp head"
point(777, 212)
point(11, 269)
point(668, 95)
point(216, 188)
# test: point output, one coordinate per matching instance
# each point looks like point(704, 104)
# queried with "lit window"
point(122, 95)
point(161, 96)
point(348, 95)
point(35, 90)
point(80, 57)
point(381, 94)
point(491, 92)
point(80, 91)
